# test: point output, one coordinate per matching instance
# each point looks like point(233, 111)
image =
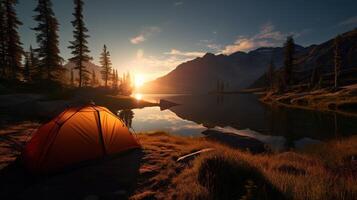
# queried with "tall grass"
point(321, 172)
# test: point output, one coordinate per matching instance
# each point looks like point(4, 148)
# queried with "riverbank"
point(39, 107)
point(342, 100)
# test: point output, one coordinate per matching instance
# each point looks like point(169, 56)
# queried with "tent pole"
point(101, 138)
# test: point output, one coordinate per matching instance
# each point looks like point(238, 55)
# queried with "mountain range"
point(241, 70)
point(321, 58)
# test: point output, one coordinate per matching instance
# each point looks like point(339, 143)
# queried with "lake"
point(243, 114)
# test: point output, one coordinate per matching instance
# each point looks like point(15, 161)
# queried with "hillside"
point(90, 67)
point(201, 75)
point(322, 57)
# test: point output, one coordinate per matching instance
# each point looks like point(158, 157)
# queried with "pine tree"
point(79, 46)
point(13, 47)
point(315, 77)
point(72, 78)
point(27, 66)
point(2, 41)
point(86, 79)
point(115, 79)
point(94, 81)
point(34, 73)
point(270, 75)
point(50, 62)
point(106, 65)
point(337, 59)
point(289, 48)
point(126, 84)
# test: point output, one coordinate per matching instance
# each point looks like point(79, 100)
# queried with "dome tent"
point(77, 134)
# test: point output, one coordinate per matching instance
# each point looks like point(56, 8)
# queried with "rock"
point(236, 141)
point(164, 104)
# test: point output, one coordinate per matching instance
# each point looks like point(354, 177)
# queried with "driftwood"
point(194, 154)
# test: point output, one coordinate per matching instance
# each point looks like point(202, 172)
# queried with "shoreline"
point(342, 101)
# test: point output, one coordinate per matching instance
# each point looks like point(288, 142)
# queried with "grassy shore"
point(324, 171)
point(343, 100)
point(328, 171)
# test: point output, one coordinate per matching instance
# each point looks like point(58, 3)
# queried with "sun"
point(139, 80)
point(138, 96)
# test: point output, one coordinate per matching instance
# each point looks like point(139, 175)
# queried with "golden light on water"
point(139, 80)
point(138, 96)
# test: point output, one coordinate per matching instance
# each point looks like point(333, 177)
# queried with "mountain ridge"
point(224, 68)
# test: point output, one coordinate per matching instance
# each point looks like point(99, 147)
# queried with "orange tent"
point(77, 134)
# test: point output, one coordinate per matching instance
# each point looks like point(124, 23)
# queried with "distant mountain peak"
point(209, 55)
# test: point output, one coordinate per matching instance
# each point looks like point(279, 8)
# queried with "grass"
point(320, 172)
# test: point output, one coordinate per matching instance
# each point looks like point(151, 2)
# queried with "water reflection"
point(152, 119)
point(246, 112)
point(278, 127)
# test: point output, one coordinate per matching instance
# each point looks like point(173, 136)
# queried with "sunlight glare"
point(139, 80)
point(138, 96)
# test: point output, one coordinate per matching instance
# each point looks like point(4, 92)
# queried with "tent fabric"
point(77, 134)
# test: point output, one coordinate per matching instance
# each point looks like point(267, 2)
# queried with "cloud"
point(178, 3)
point(215, 47)
point(349, 21)
point(145, 34)
point(191, 54)
point(267, 37)
point(138, 39)
point(154, 66)
point(210, 44)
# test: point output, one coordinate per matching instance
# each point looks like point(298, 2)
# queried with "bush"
point(227, 178)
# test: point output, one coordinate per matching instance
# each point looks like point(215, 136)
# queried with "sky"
point(149, 38)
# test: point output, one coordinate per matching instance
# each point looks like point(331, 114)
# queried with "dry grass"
point(232, 174)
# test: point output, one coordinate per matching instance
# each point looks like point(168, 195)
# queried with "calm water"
point(242, 114)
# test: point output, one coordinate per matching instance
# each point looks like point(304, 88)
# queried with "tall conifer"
point(13, 47)
point(106, 65)
point(2, 40)
point(80, 50)
point(289, 48)
point(50, 62)
point(337, 59)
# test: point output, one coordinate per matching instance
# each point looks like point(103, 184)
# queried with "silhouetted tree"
point(221, 86)
point(281, 82)
point(315, 77)
point(337, 59)
point(114, 80)
point(289, 48)
point(79, 46)
point(50, 62)
point(2, 40)
point(126, 86)
point(94, 79)
point(13, 47)
point(270, 75)
point(106, 66)
point(34, 69)
point(27, 66)
point(72, 77)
